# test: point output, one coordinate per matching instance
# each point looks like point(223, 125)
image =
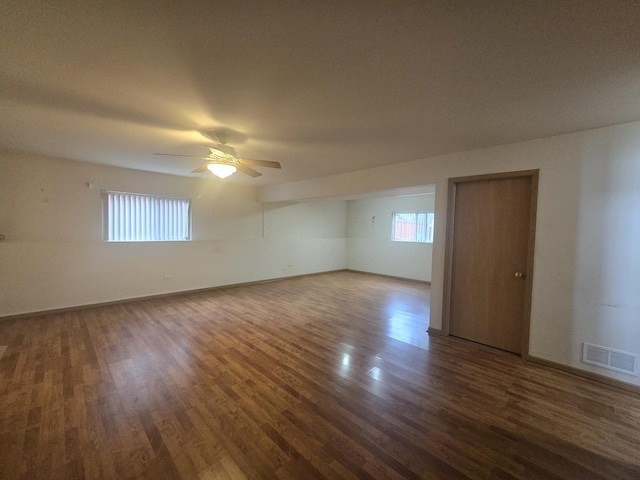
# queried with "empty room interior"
point(332, 240)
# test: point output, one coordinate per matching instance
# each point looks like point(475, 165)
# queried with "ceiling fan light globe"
point(221, 170)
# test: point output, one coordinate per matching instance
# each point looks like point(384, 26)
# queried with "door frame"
point(449, 237)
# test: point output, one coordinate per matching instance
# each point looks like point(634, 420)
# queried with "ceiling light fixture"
point(221, 170)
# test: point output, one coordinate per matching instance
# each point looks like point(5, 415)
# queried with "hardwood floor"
point(329, 376)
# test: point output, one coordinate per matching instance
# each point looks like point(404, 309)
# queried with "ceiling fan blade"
point(201, 168)
point(177, 155)
point(259, 163)
point(248, 171)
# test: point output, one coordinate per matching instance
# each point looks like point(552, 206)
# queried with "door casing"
point(451, 204)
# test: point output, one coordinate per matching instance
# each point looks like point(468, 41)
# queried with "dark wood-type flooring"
point(329, 376)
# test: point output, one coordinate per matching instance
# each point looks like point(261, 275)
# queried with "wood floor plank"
point(330, 376)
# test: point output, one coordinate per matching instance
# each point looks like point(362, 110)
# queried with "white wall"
point(369, 244)
point(586, 278)
point(54, 256)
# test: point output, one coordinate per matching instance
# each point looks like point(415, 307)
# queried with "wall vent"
point(611, 358)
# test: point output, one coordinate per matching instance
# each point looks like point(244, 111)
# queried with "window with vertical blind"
point(412, 227)
point(135, 217)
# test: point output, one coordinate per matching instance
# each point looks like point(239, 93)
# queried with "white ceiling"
point(324, 87)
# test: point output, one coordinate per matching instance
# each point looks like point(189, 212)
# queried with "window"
point(134, 217)
point(412, 227)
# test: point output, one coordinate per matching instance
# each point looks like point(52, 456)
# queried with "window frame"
point(106, 219)
point(428, 238)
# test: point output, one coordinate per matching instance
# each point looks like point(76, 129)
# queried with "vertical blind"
point(133, 217)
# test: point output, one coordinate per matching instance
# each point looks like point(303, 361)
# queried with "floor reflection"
point(408, 321)
point(344, 368)
point(375, 373)
point(345, 361)
point(402, 318)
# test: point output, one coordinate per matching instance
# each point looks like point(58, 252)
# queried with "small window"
point(412, 227)
point(135, 217)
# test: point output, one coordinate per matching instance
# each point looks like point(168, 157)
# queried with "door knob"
point(519, 275)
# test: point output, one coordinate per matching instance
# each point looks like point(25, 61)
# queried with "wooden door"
point(491, 259)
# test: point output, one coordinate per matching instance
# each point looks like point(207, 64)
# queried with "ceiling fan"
point(223, 160)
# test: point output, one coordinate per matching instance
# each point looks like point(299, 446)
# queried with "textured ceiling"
point(324, 87)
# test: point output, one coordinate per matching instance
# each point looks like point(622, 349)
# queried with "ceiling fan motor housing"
point(222, 152)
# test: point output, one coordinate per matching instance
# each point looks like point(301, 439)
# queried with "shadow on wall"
point(606, 302)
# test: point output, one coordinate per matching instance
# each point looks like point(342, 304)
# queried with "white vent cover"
point(611, 358)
